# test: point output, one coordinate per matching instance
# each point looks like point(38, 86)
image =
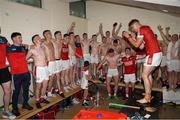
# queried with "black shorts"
point(5, 75)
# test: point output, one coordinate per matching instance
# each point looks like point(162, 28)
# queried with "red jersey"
point(129, 64)
point(79, 51)
point(150, 42)
point(17, 59)
point(3, 44)
point(65, 52)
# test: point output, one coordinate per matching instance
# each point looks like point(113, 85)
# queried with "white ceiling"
point(171, 7)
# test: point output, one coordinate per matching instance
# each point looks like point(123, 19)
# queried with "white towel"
point(177, 49)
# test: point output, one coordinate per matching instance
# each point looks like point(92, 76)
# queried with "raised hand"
point(125, 34)
point(100, 26)
point(167, 28)
point(120, 25)
point(115, 24)
point(73, 24)
point(133, 35)
point(160, 28)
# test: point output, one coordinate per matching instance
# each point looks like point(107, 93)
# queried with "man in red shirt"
point(16, 55)
point(145, 38)
point(64, 54)
point(129, 69)
point(5, 79)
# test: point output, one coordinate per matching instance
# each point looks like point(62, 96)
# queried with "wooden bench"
point(25, 114)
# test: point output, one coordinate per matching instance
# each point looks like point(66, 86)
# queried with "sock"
point(109, 94)
point(114, 94)
point(84, 101)
point(127, 95)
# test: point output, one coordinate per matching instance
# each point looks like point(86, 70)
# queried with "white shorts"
point(173, 65)
point(52, 67)
point(94, 59)
point(72, 60)
point(140, 58)
point(102, 57)
point(164, 61)
point(129, 78)
point(112, 72)
point(65, 64)
point(58, 66)
point(154, 61)
point(84, 84)
point(87, 57)
point(41, 74)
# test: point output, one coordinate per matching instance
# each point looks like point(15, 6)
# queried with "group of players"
point(70, 61)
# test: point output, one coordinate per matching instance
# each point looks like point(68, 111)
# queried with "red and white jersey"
point(129, 64)
point(65, 52)
point(150, 42)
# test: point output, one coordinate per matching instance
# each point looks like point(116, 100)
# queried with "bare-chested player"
point(49, 50)
point(85, 47)
point(162, 76)
point(173, 57)
point(120, 47)
point(162, 70)
point(102, 53)
point(72, 59)
point(113, 59)
point(41, 72)
point(57, 48)
point(94, 55)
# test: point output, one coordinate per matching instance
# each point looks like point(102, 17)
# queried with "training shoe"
point(45, 101)
point(69, 88)
point(62, 94)
point(85, 103)
point(75, 101)
point(66, 90)
point(49, 94)
point(38, 105)
point(16, 112)
point(27, 106)
point(8, 115)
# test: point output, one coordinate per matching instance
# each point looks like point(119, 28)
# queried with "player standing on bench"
point(16, 55)
point(145, 38)
point(40, 70)
point(50, 54)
